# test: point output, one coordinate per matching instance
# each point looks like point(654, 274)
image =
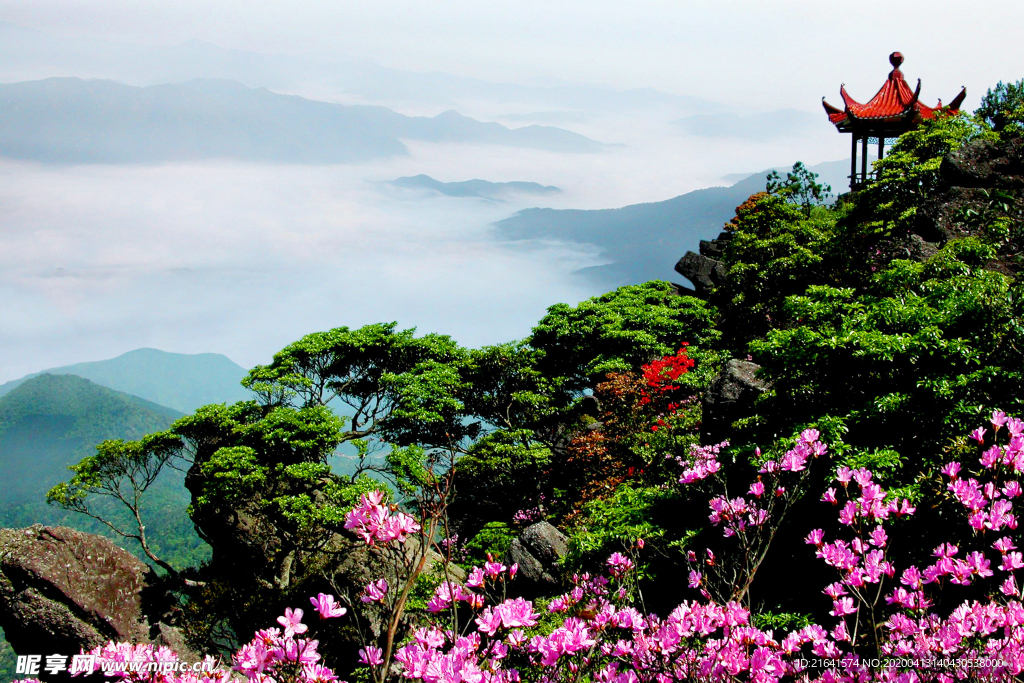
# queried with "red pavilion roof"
point(895, 106)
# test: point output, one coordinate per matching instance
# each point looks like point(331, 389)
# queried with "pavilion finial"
point(896, 58)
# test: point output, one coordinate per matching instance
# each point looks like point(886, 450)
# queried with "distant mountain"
point(29, 54)
point(473, 188)
point(554, 118)
point(644, 241)
point(52, 421)
point(68, 120)
point(761, 126)
point(180, 381)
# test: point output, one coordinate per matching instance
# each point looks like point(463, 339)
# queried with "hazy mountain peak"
point(180, 381)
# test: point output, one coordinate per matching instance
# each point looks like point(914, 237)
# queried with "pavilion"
point(894, 110)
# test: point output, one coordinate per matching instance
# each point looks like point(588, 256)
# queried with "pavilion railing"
point(858, 181)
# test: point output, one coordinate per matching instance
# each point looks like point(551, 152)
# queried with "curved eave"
point(958, 100)
point(835, 115)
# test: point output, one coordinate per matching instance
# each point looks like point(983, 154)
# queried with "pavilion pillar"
point(864, 160)
point(853, 162)
point(881, 146)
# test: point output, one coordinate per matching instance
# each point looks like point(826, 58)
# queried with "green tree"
point(622, 330)
point(122, 471)
point(800, 187)
point(1002, 107)
point(906, 364)
point(398, 387)
point(775, 251)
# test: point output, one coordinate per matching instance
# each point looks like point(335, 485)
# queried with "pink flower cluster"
point(702, 463)
point(795, 460)
point(273, 656)
point(738, 514)
point(449, 592)
point(513, 613)
point(989, 506)
point(598, 635)
point(528, 516)
point(373, 521)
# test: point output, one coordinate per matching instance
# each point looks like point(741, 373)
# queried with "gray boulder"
point(704, 272)
point(730, 397)
point(63, 590)
point(537, 551)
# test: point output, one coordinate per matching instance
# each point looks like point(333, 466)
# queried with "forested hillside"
point(53, 421)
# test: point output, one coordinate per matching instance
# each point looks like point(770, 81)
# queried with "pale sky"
point(767, 54)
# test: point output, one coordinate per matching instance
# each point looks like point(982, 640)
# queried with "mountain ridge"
point(29, 54)
point(473, 188)
point(71, 120)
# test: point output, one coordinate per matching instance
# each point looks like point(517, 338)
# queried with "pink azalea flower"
point(315, 673)
point(619, 564)
point(375, 591)
point(371, 655)
point(1012, 561)
point(862, 476)
point(1004, 545)
point(809, 436)
point(951, 470)
point(494, 569)
point(476, 578)
point(842, 607)
point(326, 606)
point(292, 622)
point(848, 513)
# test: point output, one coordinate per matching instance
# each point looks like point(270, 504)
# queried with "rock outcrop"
point(62, 590)
point(728, 398)
point(986, 165)
point(537, 551)
point(705, 270)
point(976, 183)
